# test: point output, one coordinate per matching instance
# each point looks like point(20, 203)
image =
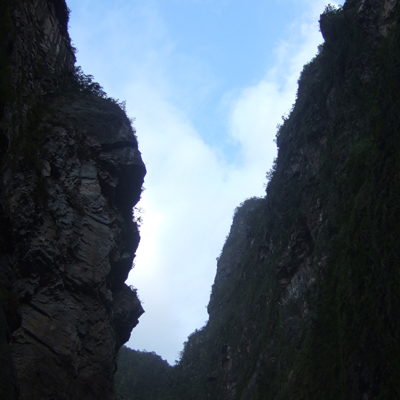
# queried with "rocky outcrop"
point(71, 173)
point(305, 301)
point(301, 306)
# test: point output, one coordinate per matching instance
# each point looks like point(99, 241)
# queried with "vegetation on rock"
point(305, 302)
point(71, 173)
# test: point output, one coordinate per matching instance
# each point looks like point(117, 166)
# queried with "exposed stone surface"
point(305, 301)
point(71, 172)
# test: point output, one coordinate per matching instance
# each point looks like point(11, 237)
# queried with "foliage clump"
point(142, 375)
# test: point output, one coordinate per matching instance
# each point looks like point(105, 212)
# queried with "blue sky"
point(207, 82)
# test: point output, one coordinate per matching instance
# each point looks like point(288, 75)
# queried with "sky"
point(207, 82)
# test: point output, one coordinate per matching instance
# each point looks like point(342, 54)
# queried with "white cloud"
point(184, 226)
point(192, 189)
point(192, 193)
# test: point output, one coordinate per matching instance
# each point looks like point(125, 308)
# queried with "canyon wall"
point(305, 303)
point(71, 173)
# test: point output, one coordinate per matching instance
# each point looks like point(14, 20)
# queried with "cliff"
point(71, 172)
point(305, 303)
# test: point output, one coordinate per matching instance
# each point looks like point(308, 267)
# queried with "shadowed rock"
point(71, 173)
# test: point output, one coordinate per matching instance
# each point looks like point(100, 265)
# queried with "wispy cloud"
point(192, 192)
point(192, 188)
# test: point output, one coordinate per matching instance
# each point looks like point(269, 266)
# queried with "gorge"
point(305, 303)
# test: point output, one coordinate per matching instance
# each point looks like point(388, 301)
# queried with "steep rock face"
point(305, 302)
point(71, 172)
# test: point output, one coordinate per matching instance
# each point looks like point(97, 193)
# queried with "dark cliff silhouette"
point(305, 303)
point(71, 172)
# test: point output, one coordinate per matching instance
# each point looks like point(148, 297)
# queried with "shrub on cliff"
point(85, 83)
point(142, 376)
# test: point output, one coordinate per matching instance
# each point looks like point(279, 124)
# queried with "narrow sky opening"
point(207, 82)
